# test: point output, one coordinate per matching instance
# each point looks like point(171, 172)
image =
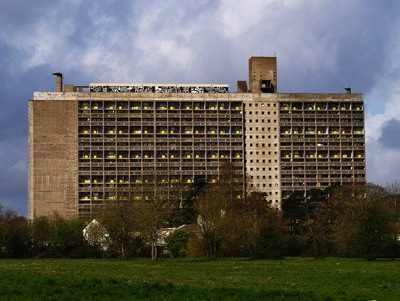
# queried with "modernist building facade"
point(87, 143)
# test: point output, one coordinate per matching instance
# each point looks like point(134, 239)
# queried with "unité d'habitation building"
point(88, 142)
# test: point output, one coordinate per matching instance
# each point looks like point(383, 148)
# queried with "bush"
point(177, 243)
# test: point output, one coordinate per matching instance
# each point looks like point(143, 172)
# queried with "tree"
point(152, 214)
point(256, 227)
point(177, 243)
point(366, 227)
point(211, 207)
point(13, 234)
point(120, 219)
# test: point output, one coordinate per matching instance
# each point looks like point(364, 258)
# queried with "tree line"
point(354, 221)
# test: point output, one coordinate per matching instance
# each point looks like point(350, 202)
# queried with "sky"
point(321, 46)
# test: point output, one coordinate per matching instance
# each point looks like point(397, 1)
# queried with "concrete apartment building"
point(86, 143)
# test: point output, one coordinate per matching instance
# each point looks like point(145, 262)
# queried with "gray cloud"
point(390, 137)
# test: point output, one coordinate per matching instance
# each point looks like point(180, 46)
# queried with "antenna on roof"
point(348, 90)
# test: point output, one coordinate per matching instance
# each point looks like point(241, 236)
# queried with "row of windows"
point(262, 105)
point(261, 153)
point(262, 120)
point(261, 168)
point(264, 177)
point(261, 112)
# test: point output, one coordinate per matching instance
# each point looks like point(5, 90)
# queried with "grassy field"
point(193, 279)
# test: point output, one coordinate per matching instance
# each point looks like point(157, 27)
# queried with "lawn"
point(194, 279)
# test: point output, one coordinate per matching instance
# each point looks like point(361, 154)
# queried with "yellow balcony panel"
point(197, 156)
point(188, 132)
point(163, 181)
point(238, 156)
point(95, 132)
point(171, 132)
point(213, 156)
point(295, 132)
point(95, 181)
point(222, 132)
point(172, 108)
point(238, 132)
point(318, 108)
point(86, 132)
point(95, 197)
point(319, 156)
point(111, 131)
point(222, 156)
point(311, 156)
point(287, 156)
point(120, 108)
point(310, 108)
point(286, 132)
point(146, 156)
point(336, 156)
point(111, 156)
point(344, 156)
point(296, 156)
point(94, 156)
point(212, 108)
point(360, 156)
point(188, 108)
point(286, 108)
point(111, 108)
point(213, 132)
point(213, 180)
point(197, 108)
point(188, 156)
point(137, 156)
point(189, 180)
point(87, 181)
point(86, 156)
point(237, 108)
point(137, 108)
point(137, 132)
point(119, 156)
point(85, 107)
point(85, 197)
point(172, 156)
point(95, 107)
point(334, 132)
point(138, 181)
point(163, 132)
point(111, 181)
point(121, 181)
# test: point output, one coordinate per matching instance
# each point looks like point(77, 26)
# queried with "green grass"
point(191, 279)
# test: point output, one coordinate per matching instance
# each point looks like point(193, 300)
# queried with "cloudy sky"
point(321, 45)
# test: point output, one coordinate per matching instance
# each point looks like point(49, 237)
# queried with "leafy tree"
point(13, 234)
point(256, 228)
point(212, 206)
point(152, 214)
point(120, 220)
point(177, 243)
point(366, 227)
